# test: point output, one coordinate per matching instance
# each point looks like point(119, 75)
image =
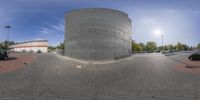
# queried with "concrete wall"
point(60, 51)
point(97, 34)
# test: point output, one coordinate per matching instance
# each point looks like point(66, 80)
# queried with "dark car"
point(3, 54)
point(30, 51)
point(195, 56)
point(39, 51)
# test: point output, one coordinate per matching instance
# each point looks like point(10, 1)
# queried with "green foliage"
point(170, 47)
point(137, 47)
point(181, 47)
point(159, 48)
point(61, 46)
point(143, 46)
point(51, 48)
point(5, 44)
point(198, 46)
point(151, 46)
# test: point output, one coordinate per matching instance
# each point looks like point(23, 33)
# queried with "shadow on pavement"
point(9, 58)
point(191, 67)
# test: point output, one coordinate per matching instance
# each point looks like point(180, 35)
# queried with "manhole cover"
point(79, 67)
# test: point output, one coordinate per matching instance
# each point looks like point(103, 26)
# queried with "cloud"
point(52, 29)
point(46, 31)
point(57, 27)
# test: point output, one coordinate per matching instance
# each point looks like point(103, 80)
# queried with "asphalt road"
point(141, 77)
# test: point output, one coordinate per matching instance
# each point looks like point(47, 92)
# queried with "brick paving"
point(16, 61)
point(142, 77)
point(194, 68)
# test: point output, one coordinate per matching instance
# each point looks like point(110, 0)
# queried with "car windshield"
point(99, 49)
point(2, 50)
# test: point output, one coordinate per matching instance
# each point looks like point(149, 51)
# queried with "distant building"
point(31, 46)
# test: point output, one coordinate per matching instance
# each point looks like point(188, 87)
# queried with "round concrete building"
point(97, 34)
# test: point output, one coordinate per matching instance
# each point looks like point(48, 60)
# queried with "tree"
point(185, 47)
point(198, 46)
point(1, 46)
point(165, 48)
point(143, 46)
point(179, 46)
point(4, 45)
point(151, 46)
point(136, 47)
point(51, 48)
point(159, 48)
point(170, 47)
point(61, 46)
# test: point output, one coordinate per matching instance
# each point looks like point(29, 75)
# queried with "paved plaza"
point(139, 77)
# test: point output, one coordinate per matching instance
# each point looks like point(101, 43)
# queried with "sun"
point(157, 32)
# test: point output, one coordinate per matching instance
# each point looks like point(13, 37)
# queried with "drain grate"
point(79, 67)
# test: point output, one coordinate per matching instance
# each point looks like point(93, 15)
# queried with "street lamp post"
point(160, 33)
point(8, 30)
point(162, 40)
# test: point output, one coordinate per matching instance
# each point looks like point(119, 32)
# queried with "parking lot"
point(139, 77)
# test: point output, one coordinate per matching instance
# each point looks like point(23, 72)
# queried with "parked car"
point(24, 50)
point(39, 51)
point(30, 51)
point(3, 54)
point(195, 56)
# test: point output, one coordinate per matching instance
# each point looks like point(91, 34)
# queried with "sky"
point(178, 20)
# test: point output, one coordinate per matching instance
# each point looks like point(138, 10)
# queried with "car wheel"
point(6, 58)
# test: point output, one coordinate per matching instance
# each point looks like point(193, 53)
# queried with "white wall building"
point(34, 46)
